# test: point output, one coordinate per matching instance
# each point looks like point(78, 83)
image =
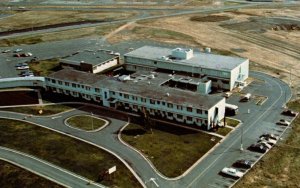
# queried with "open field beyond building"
point(44, 67)
point(13, 176)
point(281, 166)
point(69, 153)
point(87, 123)
point(171, 149)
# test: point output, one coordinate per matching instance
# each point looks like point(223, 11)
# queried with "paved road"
point(261, 119)
point(45, 169)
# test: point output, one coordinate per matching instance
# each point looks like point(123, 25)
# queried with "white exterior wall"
point(221, 112)
point(204, 88)
point(22, 82)
point(236, 73)
point(104, 66)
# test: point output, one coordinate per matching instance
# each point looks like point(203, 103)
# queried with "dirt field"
point(247, 33)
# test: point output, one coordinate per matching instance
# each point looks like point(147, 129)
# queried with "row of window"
point(74, 85)
point(169, 105)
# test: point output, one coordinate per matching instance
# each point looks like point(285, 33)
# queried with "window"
point(199, 120)
point(199, 111)
point(163, 103)
point(67, 83)
point(189, 109)
point(60, 90)
point(53, 81)
point(179, 107)
point(170, 105)
point(157, 102)
point(134, 107)
point(143, 100)
point(126, 96)
point(113, 93)
point(206, 112)
point(98, 98)
point(121, 94)
point(74, 85)
point(60, 82)
point(134, 98)
point(152, 101)
point(170, 114)
point(88, 88)
point(189, 118)
point(97, 90)
point(48, 79)
point(179, 116)
point(82, 86)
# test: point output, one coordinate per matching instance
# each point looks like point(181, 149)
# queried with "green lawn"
point(281, 166)
point(44, 67)
point(76, 156)
point(171, 149)
point(46, 110)
point(12, 176)
point(223, 131)
point(231, 122)
point(87, 123)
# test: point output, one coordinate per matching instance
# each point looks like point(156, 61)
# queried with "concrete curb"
point(100, 147)
point(92, 131)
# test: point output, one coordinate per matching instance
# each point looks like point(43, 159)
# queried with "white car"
point(283, 122)
point(232, 172)
point(265, 143)
point(268, 140)
point(18, 50)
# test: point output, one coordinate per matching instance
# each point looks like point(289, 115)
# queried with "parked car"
point(18, 50)
point(27, 74)
point(243, 164)
point(232, 172)
point(246, 97)
point(5, 51)
point(288, 112)
point(227, 94)
point(268, 140)
point(22, 66)
point(17, 55)
point(269, 136)
point(283, 122)
point(258, 148)
point(265, 143)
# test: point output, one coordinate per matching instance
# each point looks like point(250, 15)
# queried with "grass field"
point(69, 153)
point(47, 110)
point(87, 123)
point(171, 149)
point(281, 166)
point(44, 67)
point(29, 19)
point(13, 176)
point(59, 35)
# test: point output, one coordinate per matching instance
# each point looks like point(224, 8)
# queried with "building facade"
point(139, 94)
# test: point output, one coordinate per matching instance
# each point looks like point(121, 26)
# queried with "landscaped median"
point(86, 122)
point(66, 152)
point(13, 176)
point(171, 149)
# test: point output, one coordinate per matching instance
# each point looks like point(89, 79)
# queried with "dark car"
point(288, 112)
point(243, 164)
point(258, 148)
point(269, 136)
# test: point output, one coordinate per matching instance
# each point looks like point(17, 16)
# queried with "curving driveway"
point(205, 173)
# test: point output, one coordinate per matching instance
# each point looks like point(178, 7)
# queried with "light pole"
point(92, 120)
point(241, 148)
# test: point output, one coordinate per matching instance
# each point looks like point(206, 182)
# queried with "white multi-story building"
point(141, 91)
point(225, 72)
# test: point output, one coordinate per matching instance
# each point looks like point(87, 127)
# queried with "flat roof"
point(200, 59)
point(90, 57)
point(147, 87)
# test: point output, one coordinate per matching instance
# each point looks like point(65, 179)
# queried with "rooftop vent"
point(167, 94)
